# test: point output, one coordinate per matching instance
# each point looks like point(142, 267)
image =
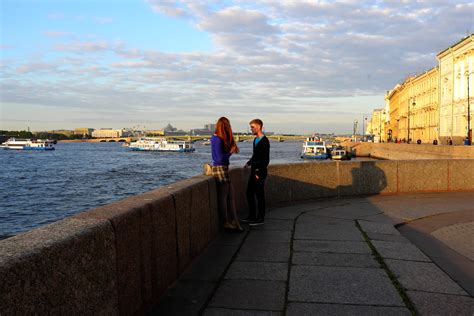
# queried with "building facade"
point(84, 131)
point(456, 65)
point(110, 133)
point(413, 108)
point(392, 98)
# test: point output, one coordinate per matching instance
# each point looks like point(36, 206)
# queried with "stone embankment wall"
point(394, 151)
point(120, 258)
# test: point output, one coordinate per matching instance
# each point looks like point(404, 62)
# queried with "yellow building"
point(414, 108)
point(376, 125)
point(456, 67)
point(84, 131)
point(392, 99)
point(110, 133)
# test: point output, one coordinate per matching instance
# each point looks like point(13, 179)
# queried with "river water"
point(37, 187)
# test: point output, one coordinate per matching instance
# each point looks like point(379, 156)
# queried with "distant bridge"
point(238, 137)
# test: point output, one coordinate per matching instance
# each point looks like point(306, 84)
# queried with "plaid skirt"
point(221, 173)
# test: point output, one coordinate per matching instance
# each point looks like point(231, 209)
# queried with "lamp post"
point(469, 134)
point(380, 125)
point(408, 115)
point(364, 118)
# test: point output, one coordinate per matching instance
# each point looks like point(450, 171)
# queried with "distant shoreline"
point(88, 141)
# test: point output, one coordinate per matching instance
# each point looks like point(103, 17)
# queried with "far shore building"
point(65, 132)
point(377, 125)
point(456, 68)
point(156, 132)
point(84, 131)
point(110, 133)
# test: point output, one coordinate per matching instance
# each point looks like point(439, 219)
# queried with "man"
point(258, 163)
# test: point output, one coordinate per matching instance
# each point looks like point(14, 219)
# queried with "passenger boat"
point(161, 144)
point(314, 149)
point(340, 154)
point(28, 144)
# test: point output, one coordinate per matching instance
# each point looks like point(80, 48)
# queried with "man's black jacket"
point(260, 157)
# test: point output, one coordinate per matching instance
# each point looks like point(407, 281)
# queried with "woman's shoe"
point(229, 226)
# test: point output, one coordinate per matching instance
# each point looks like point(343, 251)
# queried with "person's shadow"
point(368, 179)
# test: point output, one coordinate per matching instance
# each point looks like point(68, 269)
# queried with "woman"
point(222, 147)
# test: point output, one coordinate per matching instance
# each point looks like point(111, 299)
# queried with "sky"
point(300, 66)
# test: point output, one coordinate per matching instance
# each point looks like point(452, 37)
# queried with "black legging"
point(255, 188)
point(225, 198)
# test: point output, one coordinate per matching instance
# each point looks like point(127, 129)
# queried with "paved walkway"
point(330, 257)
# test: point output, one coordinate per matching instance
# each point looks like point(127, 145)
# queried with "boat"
point(161, 144)
point(314, 149)
point(340, 154)
point(28, 144)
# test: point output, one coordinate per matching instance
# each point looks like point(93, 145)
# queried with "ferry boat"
point(314, 149)
point(161, 144)
point(340, 154)
point(28, 144)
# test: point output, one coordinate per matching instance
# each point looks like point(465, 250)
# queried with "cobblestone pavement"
point(459, 237)
point(327, 257)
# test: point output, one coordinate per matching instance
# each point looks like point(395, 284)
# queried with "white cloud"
point(56, 34)
point(286, 60)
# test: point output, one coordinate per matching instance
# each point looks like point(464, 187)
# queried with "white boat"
point(28, 144)
point(314, 149)
point(161, 144)
point(339, 154)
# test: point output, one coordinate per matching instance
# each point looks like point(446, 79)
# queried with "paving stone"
point(244, 270)
point(315, 218)
point(256, 236)
point(237, 312)
point(439, 304)
point(385, 237)
point(272, 252)
point(381, 228)
point(328, 232)
point(250, 294)
point(399, 250)
point(334, 260)
point(229, 239)
point(342, 285)
point(331, 246)
point(185, 298)
point(459, 237)
point(310, 309)
point(274, 224)
point(351, 211)
point(211, 265)
point(423, 276)
point(381, 218)
point(288, 213)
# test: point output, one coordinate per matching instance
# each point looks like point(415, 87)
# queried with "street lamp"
point(364, 118)
point(380, 125)
point(413, 104)
point(469, 134)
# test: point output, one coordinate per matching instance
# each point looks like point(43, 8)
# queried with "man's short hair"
point(256, 121)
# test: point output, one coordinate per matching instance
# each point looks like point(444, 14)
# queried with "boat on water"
point(161, 144)
point(314, 149)
point(28, 144)
point(340, 154)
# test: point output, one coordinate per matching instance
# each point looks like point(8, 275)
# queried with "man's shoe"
point(258, 222)
point(248, 220)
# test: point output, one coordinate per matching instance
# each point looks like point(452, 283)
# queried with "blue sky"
point(301, 66)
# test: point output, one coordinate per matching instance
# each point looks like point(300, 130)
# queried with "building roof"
point(459, 43)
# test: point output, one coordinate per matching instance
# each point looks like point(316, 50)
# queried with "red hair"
point(224, 132)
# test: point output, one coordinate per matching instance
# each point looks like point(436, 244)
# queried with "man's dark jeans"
point(255, 189)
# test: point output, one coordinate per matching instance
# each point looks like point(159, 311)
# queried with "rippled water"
point(37, 188)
